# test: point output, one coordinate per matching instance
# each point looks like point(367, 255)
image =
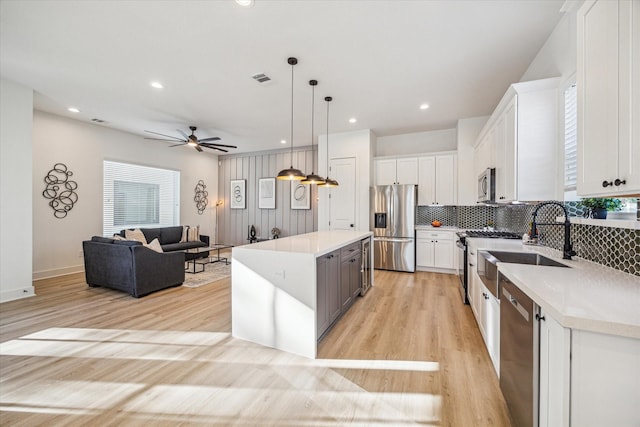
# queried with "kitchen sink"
point(487, 265)
point(525, 258)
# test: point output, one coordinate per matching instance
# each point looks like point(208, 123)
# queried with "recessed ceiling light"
point(157, 85)
point(283, 141)
point(245, 3)
point(73, 109)
point(424, 106)
point(353, 120)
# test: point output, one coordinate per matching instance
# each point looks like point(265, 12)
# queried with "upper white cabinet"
point(437, 180)
point(396, 171)
point(523, 132)
point(608, 82)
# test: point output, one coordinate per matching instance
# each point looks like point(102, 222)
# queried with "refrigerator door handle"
point(393, 239)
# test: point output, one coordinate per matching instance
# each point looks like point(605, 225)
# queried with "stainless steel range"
point(463, 274)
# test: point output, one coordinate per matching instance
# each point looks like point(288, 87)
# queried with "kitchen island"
point(274, 288)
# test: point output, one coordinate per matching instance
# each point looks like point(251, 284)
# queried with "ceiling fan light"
point(192, 143)
point(291, 174)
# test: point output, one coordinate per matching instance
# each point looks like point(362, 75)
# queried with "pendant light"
point(291, 174)
point(328, 182)
point(312, 178)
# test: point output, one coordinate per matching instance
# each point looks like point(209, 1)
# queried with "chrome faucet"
point(567, 251)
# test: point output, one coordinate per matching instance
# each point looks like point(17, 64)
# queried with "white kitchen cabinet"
point(608, 83)
point(523, 133)
point(396, 171)
point(437, 180)
point(490, 319)
point(555, 347)
point(435, 250)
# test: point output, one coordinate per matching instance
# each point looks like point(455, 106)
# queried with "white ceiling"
point(378, 59)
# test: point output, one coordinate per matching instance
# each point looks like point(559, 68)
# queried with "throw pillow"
point(136, 235)
point(193, 234)
point(118, 237)
point(155, 245)
point(185, 229)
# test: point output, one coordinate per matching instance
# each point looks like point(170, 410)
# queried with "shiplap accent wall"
point(233, 224)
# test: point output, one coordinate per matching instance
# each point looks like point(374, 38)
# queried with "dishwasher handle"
point(514, 302)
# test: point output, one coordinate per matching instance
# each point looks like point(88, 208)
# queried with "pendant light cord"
point(292, 115)
point(327, 137)
point(313, 154)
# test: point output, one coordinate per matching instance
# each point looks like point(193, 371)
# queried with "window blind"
point(139, 196)
point(570, 138)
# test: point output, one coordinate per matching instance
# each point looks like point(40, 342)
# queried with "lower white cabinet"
point(555, 347)
point(435, 249)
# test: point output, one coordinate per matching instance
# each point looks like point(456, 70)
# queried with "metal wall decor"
point(201, 197)
point(60, 190)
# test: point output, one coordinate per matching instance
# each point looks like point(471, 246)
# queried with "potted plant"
point(597, 207)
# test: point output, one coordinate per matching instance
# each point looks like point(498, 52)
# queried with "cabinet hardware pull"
point(617, 182)
point(606, 183)
point(471, 265)
point(538, 317)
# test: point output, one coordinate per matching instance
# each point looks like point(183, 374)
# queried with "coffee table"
point(192, 263)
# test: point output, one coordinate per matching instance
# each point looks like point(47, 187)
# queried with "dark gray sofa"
point(169, 238)
point(130, 267)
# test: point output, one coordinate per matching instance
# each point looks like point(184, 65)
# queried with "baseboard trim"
point(46, 274)
point(15, 294)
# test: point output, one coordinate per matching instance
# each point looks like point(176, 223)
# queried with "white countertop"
point(587, 296)
point(317, 243)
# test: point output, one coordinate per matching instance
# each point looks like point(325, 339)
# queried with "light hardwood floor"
point(407, 353)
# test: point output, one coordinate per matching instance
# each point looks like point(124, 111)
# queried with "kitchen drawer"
point(350, 251)
point(434, 235)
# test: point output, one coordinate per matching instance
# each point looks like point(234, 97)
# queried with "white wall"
point(558, 55)
point(468, 131)
point(360, 145)
point(16, 109)
point(416, 143)
point(82, 147)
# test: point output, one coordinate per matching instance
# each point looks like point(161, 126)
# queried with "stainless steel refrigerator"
point(393, 218)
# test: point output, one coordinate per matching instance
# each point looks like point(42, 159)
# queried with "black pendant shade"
point(291, 174)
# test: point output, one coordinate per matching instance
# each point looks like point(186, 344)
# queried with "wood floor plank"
point(407, 353)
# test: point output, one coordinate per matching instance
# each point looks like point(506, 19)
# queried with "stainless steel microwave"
point(487, 186)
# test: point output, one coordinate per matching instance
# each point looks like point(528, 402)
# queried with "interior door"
point(342, 199)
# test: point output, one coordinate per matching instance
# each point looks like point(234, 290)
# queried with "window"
point(139, 196)
point(570, 138)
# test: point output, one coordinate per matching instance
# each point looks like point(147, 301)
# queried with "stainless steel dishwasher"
point(519, 353)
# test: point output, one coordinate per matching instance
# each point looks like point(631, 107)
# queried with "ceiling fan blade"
point(177, 145)
point(213, 147)
point(215, 138)
point(218, 145)
point(197, 147)
point(160, 139)
point(183, 134)
point(162, 134)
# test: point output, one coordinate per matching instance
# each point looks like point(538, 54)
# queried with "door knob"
point(606, 183)
point(351, 225)
point(617, 182)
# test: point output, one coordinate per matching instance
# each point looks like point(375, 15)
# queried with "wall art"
point(201, 197)
point(267, 193)
point(238, 198)
point(300, 197)
point(60, 190)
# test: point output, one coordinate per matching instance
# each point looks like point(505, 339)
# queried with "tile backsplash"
point(618, 248)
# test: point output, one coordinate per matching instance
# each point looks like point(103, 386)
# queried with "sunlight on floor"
point(207, 376)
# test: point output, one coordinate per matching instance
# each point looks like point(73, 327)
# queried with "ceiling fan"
point(192, 140)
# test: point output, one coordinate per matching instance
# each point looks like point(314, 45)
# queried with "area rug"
point(212, 273)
